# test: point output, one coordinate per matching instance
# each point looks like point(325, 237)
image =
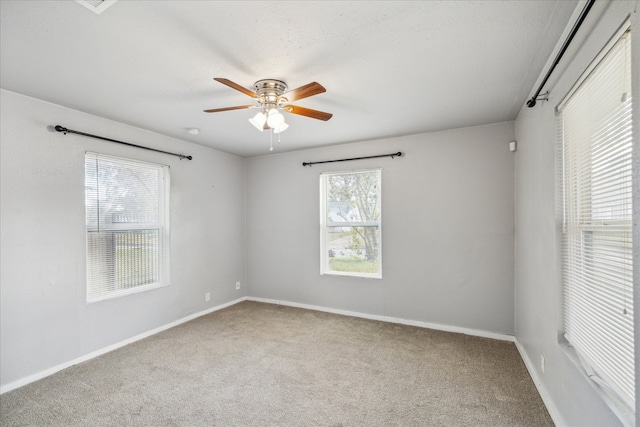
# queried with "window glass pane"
point(120, 193)
point(353, 249)
point(353, 197)
point(124, 259)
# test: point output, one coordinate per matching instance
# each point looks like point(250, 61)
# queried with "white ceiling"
point(390, 68)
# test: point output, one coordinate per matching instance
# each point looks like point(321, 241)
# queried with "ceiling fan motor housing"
point(269, 91)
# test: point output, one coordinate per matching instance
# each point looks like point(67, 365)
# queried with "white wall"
point(573, 400)
point(45, 320)
point(447, 229)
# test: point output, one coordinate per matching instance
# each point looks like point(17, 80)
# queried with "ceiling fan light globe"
point(281, 128)
point(275, 119)
point(258, 121)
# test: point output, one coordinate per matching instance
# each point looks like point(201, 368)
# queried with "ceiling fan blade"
point(304, 91)
point(239, 107)
point(236, 86)
point(308, 112)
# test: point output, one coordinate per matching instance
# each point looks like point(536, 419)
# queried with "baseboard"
point(42, 374)
point(436, 326)
point(546, 398)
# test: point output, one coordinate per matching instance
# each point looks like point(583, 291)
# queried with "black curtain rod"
point(565, 45)
point(66, 131)
point(392, 155)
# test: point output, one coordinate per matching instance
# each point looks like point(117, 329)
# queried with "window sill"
point(131, 291)
point(624, 413)
point(348, 274)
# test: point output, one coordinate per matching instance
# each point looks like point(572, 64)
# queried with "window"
point(596, 149)
point(350, 223)
point(127, 216)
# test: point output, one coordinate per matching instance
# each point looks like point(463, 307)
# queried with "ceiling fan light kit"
point(273, 98)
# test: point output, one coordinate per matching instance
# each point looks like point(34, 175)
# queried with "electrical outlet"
point(237, 286)
point(542, 363)
point(207, 296)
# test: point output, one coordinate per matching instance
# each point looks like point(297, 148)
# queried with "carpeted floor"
point(255, 364)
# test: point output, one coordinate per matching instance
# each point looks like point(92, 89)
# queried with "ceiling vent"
point(97, 6)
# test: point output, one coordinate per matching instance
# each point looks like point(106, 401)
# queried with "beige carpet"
point(256, 364)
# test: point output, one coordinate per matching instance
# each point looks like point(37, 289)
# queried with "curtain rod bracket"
point(64, 130)
point(542, 97)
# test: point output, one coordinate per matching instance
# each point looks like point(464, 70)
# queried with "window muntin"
point(596, 136)
point(350, 221)
point(127, 224)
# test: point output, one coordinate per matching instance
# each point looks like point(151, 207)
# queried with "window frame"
point(94, 225)
point(324, 226)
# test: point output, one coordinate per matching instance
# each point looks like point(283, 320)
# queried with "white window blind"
point(596, 135)
point(350, 222)
point(127, 219)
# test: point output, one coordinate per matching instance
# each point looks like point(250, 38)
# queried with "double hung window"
point(596, 150)
point(350, 222)
point(127, 223)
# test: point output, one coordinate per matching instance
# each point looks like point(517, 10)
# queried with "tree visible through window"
point(350, 219)
point(127, 225)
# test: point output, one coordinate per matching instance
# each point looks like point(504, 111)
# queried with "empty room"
point(319, 213)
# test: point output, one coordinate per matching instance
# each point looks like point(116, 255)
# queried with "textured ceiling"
point(390, 68)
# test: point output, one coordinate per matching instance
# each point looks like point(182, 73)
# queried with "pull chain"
point(271, 139)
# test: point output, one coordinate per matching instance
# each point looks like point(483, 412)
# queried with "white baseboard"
point(39, 375)
point(546, 399)
point(436, 326)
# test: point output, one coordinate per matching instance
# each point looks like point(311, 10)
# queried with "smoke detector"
point(96, 6)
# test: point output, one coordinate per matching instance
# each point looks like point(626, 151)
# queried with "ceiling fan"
point(272, 97)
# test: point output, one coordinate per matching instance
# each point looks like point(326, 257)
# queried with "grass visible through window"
point(354, 265)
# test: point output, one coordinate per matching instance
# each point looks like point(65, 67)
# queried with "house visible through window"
point(596, 130)
point(350, 223)
point(127, 219)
